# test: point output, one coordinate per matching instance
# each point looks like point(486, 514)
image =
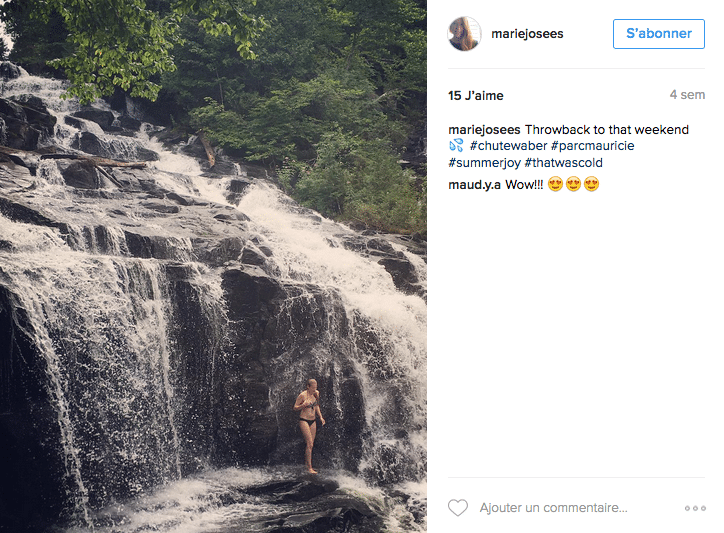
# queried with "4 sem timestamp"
point(688, 95)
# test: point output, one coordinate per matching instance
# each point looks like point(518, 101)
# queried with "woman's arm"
point(299, 404)
point(319, 412)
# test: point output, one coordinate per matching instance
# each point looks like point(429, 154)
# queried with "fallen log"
point(209, 149)
point(97, 161)
point(110, 177)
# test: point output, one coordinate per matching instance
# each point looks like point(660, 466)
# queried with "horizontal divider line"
point(576, 68)
point(576, 477)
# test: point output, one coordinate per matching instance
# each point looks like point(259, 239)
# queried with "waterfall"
point(386, 328)
point(101, 326)
point(175, 315)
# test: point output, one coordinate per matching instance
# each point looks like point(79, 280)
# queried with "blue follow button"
point(658, 33)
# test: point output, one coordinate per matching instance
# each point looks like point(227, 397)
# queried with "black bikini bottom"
point(310, 422)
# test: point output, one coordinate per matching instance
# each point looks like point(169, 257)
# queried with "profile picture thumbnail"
point(464, 33)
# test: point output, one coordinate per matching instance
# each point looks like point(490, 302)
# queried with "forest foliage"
point(331, 94)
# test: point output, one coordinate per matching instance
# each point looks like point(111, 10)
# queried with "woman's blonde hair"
point(466, 39)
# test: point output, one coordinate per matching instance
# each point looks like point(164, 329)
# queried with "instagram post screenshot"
point(575, 273)
point(213, 266)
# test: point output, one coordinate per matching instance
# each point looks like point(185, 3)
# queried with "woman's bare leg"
point(308, 432)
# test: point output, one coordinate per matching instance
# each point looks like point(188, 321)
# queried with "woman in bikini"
point(308, 406)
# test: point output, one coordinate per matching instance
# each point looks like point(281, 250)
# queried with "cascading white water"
point(49, 173)
point(101, 326)
point(47, 89)
point(93, 307)
point(32, 301)
point(50, 91)
point(310, 250)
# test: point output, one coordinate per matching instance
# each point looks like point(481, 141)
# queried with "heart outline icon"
point(457, 507)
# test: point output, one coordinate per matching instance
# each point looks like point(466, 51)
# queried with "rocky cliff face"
point(159, 317)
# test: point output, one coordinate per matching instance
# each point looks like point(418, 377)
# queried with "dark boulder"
point(17, 132)
point(403, 274)
point(378, 246)
point(21, 213)
point(139, 153)
point(193, 330)
point(237, 188)
point(253, 171)
point(161, 208)
point(76, 123)
point(194, 148)
point(217, 253)
point(181, 200)
point(9, 71)
point(223, 166)
point(247, 424)
point(118, 100)
point(20, 134)
point(31, 101)
point(13, 159)
point(80, 174)
point(156, 247)
point(90, 144)
point(298, 490)
point(352, 404)
point(251, 257)
point(164, 111)
point(43, 122)
point(37, 113)
point(129, 123)
point(333, 512)
point(307, 504)
point(103, 118)
point(347, 519)
point(170, 138)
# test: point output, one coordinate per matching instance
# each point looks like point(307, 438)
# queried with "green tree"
point(126, 44)
point(389, 35)
point(361, 181)
point(332, 101)
point(291, 120)
point(385, 42)
point(34, 40)
point(337, 88)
